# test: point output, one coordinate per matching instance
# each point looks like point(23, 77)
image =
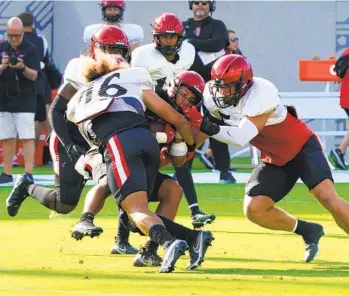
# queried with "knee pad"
point(63, 208)
point(53, 202)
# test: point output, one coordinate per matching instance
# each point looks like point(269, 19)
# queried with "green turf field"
point(38, 256)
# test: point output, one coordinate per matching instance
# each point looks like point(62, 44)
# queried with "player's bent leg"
point(136, 206)
point(93, 203)
point(261, 210)
point(326, 194)
point(169, 196)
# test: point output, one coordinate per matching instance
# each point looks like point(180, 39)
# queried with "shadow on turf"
point(321, 269)
point(340, 236)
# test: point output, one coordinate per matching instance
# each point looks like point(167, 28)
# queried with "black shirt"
point(42, 87)
point(208, 35)
point(17, 93)
point(38, 43)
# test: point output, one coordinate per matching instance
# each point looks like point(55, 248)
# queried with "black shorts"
point(276, 182)
point(160, 178)
point(132, 159)
point(69, 183)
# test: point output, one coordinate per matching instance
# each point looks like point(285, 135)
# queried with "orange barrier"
point(39, 149)
point(318, 70)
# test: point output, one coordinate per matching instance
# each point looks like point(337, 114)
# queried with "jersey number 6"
point(107, 87)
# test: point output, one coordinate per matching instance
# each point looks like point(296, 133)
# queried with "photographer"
point(19, 65)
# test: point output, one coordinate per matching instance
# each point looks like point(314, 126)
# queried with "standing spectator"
point(18, 72)
point(342, 71)
point(113, 15)
point(43, 90)
point(210, 38)
point(233, 46)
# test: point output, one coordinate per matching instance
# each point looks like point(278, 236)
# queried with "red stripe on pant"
point(120, 168)
point(54, 142)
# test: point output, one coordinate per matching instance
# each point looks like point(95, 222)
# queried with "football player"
point(252, 112)
point(113, 14)
point(184, 91)
point(110, 112)
point(167, 56)
point(67, 146)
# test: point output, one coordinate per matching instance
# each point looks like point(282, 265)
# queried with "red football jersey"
point(344, 89)
point(281, 142)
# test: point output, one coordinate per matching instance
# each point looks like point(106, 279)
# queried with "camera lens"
point(13, 60)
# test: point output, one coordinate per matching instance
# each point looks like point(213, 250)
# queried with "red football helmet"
point(167, 23)
point(109, 38)
point(112, 3)
point(230, 70)
point(190, 79)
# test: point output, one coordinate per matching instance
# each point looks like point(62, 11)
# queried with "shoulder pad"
point(264, 96)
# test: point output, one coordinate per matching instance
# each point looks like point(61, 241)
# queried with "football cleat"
point(121, 247)
point(200, 219)
point(198, 250)
point(147, 258)
point(311, 242)
point(18, 194)
point(338, 159)
point(85, 228)
point(172, 254)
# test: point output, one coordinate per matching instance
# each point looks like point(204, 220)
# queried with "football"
point(156, 126)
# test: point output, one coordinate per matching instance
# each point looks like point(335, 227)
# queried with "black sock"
point(123, 232)
point(180, 231)
point(185, 180)
point(45, 196)
point(311, 232)
point(158, 233)
point(7, 174)
point(150, 245)
point(87, 217)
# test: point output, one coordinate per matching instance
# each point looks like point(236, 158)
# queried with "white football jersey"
point(73, 73)
point(159, 68)
point(116, 91)
point(134, 32)
point(262, 97)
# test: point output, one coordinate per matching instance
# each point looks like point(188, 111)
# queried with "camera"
point(13, 56)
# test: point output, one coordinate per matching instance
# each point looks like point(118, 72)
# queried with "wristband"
point(161, 137)
point(22, 70)
point(192, 147)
